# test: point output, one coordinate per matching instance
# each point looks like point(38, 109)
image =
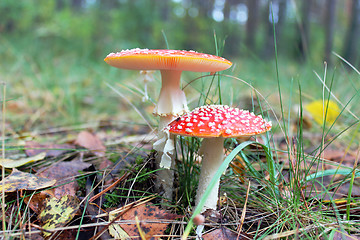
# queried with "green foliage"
point(188, 168)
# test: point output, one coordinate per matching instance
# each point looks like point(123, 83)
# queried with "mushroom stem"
point(171, 103)
point(164, 159)
point(212, 150)
point(172, 100)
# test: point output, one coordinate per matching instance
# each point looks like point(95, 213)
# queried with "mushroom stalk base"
point(165, 149)
point(212, 150)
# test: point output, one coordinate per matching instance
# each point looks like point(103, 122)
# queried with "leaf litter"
point(18, 180)
point(58, 212)
point(150, 221)
point(65, 174)
point(11, 163)
point(51, 150)
point(145, 224)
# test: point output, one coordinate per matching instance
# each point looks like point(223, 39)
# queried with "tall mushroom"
point(214, 123)
point(172, 100)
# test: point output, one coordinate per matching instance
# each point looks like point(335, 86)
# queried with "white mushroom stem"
point(165, 149)
point(171, 103)
point(212, 150)
point(172, 100)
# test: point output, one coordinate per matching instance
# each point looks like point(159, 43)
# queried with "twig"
point(3, 157)
point(109, 187)
point(242, 219)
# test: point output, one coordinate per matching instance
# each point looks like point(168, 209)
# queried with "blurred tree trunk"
point(227, 7)
point(231, 30)
point(205, 7)
point(303, 37)
point(109, 4)
point(329, 28)
point(60, 4)
point(251, 23)
point(164, 10)
point(197, 26)
point(77, 4)
point(351, 43)
point(279, 11)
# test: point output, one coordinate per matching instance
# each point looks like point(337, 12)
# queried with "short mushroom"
point(172, 100)
point(214, 123)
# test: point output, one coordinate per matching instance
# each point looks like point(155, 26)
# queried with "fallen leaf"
point(339, 234)
point(338, 155)
point(237, 166)
point(105, 163)
point(318, 108)
point(115, 230)
point(37, 201)
point(64, 173)
point(92, 142)
point(18, 180)
point(68, 234)
point(146, 213)
point(225, 234)
point(11, 163)
point(52, 150)
point(58, 212)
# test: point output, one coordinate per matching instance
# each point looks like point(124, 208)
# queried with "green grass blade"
point(329, 172)
point(165, 39)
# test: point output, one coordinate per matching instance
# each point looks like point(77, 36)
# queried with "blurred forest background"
point(306, 28)
point(59, 44)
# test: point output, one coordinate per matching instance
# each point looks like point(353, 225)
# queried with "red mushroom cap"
point(218, 121)
point(163, 59)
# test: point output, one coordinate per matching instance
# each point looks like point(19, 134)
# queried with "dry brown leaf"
point(225, 234)
point(147, 213)
point(37, 201)
point(52, 150)
point(64, 173)
point(338, 155)
point(238, 167)
point(18, 180)
point(106, 163)
point(343, 235)
point(92, 142)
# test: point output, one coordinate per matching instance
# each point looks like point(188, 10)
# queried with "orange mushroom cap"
point(163, 59)
point(218, 121)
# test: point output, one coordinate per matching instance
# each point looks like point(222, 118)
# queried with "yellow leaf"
point(18, 180)
point(318, 108)
point(58, 212)
point(10, 163)
point(115, 230)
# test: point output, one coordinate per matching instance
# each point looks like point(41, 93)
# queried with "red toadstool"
point(171, 63)
point(214, 123)
point(172, 100)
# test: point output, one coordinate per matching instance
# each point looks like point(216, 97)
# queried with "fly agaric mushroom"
point(214, 123)
point(172, 100)
point(171, 63)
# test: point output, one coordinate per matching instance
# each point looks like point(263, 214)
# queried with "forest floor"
point(78, 159)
